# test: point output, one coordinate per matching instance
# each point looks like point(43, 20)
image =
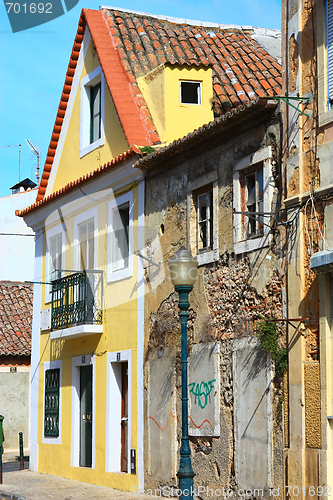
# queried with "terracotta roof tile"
point(15, 318)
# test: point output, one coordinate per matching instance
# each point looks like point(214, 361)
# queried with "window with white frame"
point(92, 112)
point(204, 203)
point(253, 195)
point(252, 198)
point(54, 258)
point(325, 60)
point(120, 237)
point(202, 218)
point(190, 92)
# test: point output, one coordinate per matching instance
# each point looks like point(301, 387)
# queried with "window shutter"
point(330, 50)
point(51, 411)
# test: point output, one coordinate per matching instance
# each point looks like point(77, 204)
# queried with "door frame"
point(113, 412)
point(78, 361)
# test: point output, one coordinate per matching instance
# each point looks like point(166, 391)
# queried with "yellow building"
point(134, 83)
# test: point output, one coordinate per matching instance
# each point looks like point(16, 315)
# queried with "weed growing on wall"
point(269, 334)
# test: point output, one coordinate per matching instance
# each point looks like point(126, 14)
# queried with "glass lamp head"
point(183, 268)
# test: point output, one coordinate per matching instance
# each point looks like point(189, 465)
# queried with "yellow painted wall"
point(161, 89)
point(71, 166)
point(119, 334)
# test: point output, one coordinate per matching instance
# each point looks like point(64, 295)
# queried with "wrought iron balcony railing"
point(77, 300)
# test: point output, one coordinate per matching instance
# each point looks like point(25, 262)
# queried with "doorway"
point(124, 417)
point(118, 412)
point(85, 457)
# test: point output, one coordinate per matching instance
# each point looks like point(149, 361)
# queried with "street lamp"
point(183, 272)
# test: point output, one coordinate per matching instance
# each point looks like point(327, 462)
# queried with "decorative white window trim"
point(78, 361)
point(52, 365)
point(113, 416)
point(199, 93)
point(208, 256)
point(95, 77)
point(51, 233)
point(115, 275)
point(86, 216)
point(241, 244)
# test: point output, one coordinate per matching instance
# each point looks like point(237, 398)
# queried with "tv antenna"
point(37, 154)
point(16, 146)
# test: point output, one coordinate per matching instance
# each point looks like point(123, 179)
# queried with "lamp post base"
point(186, 485)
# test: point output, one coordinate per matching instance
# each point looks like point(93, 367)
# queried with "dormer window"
point(190, 92)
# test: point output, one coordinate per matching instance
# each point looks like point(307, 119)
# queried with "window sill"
point(207, 257)
point(51, 440)
point(325, 117)
point(91, 147)
point(76, 331)
point(252, 244)
point(120, 275)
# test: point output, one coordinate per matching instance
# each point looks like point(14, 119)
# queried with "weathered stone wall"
point(229, 297)
point(233, 308)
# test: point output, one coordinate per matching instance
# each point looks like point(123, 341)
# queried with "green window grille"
point(51, 417)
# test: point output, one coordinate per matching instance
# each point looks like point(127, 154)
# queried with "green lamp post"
point(183, 272)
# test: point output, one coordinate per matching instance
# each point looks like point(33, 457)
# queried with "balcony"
point(77, 305)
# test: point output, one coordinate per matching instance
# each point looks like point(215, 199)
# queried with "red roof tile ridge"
point(177, 20)
point(195, 133)
point(115, 162)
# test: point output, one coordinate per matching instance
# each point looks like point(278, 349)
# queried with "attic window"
point(190, 92)
point(92, 112)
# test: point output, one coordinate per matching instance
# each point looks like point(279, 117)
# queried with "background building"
point(307, 177)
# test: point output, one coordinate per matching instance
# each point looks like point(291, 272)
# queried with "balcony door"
point(86, 416)
point(86, 245)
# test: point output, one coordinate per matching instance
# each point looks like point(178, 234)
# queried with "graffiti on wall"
point(201, 392)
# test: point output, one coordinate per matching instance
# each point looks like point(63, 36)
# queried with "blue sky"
point(33, 65)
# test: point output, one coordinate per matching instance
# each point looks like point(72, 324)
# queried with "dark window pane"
point(202, 235)
point(95, 113)
point(190, 92)
point(260, 181)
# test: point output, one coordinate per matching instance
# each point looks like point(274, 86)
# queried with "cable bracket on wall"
point(286, 98)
